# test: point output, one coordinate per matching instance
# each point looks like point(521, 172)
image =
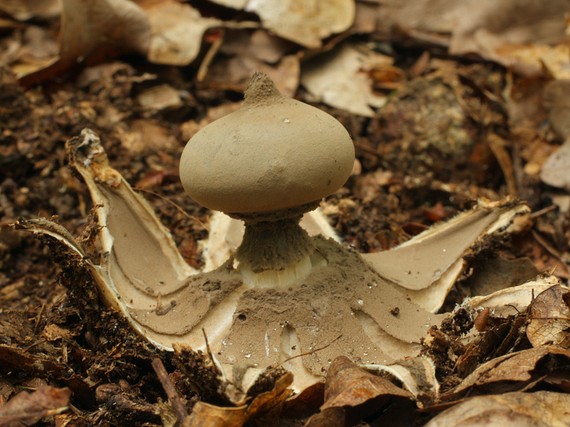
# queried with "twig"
point(310, 352)
point(173, 396)
point(211, 355)
point(543, 211)
point(547, 246)
point(178, 208)
point(209, 57)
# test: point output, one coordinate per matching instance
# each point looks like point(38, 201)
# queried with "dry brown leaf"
point(349, 385)
point(514, 300)
point(339, 78)
point(176, 31)
point(306, 23)
point(159, 97)
point(204, 414)
point(540, 409)
point(502, 31)
point(269, 48)
point(527, 36)
point(233, 73)
point(537, 59)
point(416, 374)
point(144, 136)
point(29, 408)
point(241, 53)
point(514, 371)
point(549, 318)
point(166, 32)
point(348, 388)
point(92, 30)
point(23, 10)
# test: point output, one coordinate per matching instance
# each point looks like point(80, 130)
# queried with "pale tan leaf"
point(307, 22)
point(176, 32)
point(416, 374)
point(540, 409)
point(339, 78)
point(512, 300)
point(549, 318)
point(555, 169)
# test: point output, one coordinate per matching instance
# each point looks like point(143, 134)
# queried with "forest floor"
point(436, 131)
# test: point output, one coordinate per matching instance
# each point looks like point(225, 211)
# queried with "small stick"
point(173, 396)
point(176, 206)
point(311, 351)
point(543, 211)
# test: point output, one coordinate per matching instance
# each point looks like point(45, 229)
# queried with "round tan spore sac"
point(272, 154)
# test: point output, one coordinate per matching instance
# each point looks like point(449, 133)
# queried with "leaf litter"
point(381, 207)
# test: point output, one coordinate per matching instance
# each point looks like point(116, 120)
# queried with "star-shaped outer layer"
point(365, 307)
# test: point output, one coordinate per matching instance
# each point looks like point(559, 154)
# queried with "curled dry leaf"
point(306, 23)
point(555, 169)
point(23, 10)
point(204, 414)
point(549, 318)
point(515, 371)
point(349, 385)
point(512, 300)
point(540, 409)
point(166, 32)
point(515, 33)
point(350, 389)
point(339, 78)
point(417, 375)
point(529, 37)
point(29, 408)
point(93, 30)
point(176, 31)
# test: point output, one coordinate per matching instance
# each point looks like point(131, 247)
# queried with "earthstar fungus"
point(283, 298)
point(267, 164)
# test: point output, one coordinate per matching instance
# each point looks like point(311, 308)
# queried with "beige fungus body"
point(272, 154)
